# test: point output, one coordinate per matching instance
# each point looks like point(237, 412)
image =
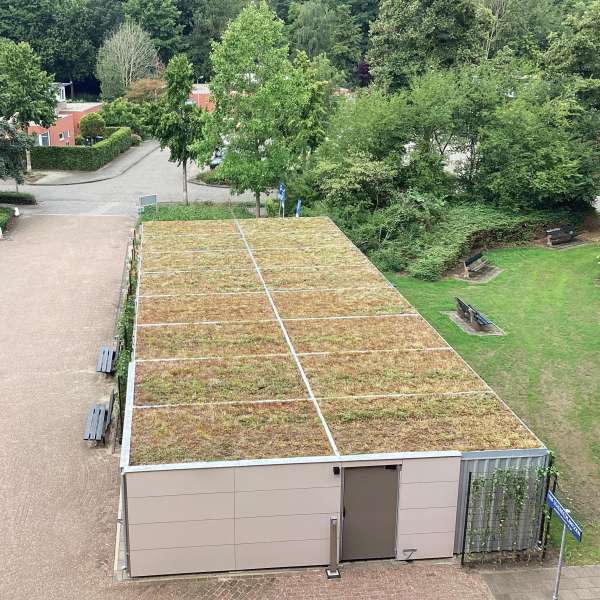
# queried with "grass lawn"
point(547, 367)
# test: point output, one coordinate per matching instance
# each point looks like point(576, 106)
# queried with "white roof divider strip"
point(261, 249)
point(404, 395)
point(244, 269)
point(290, 344)
point(201, 358)
point(222, 403)
point(278, 291)
point(190, 323)
point(280, 354)
point(252, 321)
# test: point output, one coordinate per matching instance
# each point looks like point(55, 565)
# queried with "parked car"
point(217, 158)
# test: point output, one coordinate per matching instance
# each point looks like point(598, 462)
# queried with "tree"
point(126, 56)
point(92, 125)
point(211, 18)
point(66, 34)
point(123, 113)
point(412, 35)
point(178, 123)
point(146, 90)
point(260, 101)
point(326, 27)
point(530, 157)
point(521, 25)
point(26, 90)
point(160, 19)
point(13, 146)
point(576, 52)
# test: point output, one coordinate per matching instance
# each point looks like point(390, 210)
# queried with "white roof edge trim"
point(263, 462)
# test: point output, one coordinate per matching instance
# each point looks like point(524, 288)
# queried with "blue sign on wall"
point(561, 512)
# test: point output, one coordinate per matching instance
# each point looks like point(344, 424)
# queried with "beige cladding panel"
point(213, 532)
point(282, 528)
point(423, 470)
point(193, 507)
point(427, 507)
point(282, 554)
point(181, 560)
point(287, 502)
point(278, 477)
point(426, 520)
point(425, 545)
point(179, 481)
point(429, 495)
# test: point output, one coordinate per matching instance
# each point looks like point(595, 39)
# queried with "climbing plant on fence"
point(506, 517)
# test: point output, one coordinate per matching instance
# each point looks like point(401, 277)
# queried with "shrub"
point(92, 125)
point(17, 198)
point(468, 226)
point(122, 113)
point(136, 140)
point(82, 158)
point(79, 140)
point(212, 177)
point(5, 216)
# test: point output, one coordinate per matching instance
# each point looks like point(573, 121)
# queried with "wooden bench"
point(471, 315)
point(475, 264)
point(560, 235)
point(107, 358)
point(98, 421)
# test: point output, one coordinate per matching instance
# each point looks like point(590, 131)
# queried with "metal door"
point(369, 512)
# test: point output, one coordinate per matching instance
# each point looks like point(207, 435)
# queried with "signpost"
point(568, 523)
point(281, 196)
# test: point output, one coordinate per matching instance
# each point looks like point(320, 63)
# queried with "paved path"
point(118, 196)
point(577, 583)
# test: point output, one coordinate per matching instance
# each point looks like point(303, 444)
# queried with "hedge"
point(16, 198)
point(82, 158)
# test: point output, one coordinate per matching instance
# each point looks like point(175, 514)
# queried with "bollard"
point(333, 570)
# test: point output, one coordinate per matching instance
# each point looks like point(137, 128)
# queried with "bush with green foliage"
point(123, 113)
point(82, 158)
point(17, 198)
point(92, 125)
point(6, 215)
point(469, 226)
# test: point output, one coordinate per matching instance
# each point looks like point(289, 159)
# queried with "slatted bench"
point(475, 264)
point(560, 235)
point(471, 315)
point(98, 421)
point(106, 360)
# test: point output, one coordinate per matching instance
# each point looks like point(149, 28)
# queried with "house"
point(200, 95)
point(68, 117)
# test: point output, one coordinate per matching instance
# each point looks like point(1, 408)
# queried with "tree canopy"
point(26, 90)
point(127, 55)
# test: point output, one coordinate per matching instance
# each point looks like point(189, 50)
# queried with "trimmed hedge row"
point(82, 158)
point(16, 198)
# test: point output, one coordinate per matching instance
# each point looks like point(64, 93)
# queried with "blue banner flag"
point(298, 207)
point(563, 514)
